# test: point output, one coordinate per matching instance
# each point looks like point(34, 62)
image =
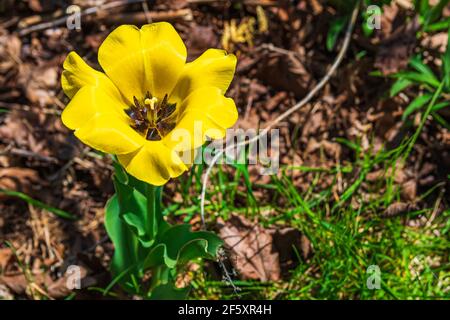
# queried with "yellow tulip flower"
point(149, 106)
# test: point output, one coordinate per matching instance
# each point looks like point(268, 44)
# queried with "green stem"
point(153, 219)
point(153, 209)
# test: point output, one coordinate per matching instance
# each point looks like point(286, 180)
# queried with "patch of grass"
point(348, 235)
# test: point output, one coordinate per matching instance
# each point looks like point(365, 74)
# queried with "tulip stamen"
point(152, 117)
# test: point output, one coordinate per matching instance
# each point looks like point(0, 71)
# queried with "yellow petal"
point(205, 112)
point(108, 133)
point(141, 60)
point(164, 56)
point(77, 74)
point(213, 68)
point(87, 103)
point(154, 163)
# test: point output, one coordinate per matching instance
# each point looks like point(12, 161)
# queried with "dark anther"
point(167, 111)
point(136, 102)
point(156, 124)
point(165, 127)
point(131, 113)
point(140, 126)
point(153, 135)
point(164, 101)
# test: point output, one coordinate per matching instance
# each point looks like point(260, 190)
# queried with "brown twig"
point(31, 154)
point(28, 108)
point(86, 12)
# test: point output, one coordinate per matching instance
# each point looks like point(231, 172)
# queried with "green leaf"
point(416, 104)
point(438, 26)
point(446, 63)
point(137, 184)
point(185, 244)
point(178, 245)
point(337, 26)
point(435, 13)
point(143, 240)
point(133, 209)
point(440, 105)
point(416, 63)
point(119, 172)
point(38, 204)
point(418, 78)
point(126, 245)
point(425, 115)
point(168, 292)
point(422, 6)
point(348, 144)
point(440, 120)
point(135, 220)
point(399, 85)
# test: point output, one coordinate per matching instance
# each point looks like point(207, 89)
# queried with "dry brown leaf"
point(39, 83)
point(252, 248)
point(399, 208)
point(10, 46)
point(20, 284)
point(284, 72)
point(16, 283)
point(398, 43)
point(36, 135)
point(258, 253)
point(409, 190)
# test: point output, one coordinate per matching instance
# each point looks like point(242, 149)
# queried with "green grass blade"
point(39, 204)
point(399, 85)
point(416, 104)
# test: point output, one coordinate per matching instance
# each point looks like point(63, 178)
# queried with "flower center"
point(151, 116)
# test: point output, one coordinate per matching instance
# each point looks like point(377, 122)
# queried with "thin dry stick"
point(88, 11)
point(287, 113)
